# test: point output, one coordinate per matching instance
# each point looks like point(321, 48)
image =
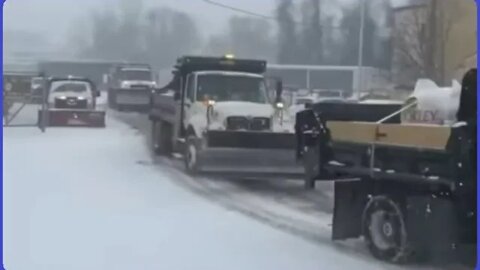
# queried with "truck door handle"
point(381, 135)
point(187, 105)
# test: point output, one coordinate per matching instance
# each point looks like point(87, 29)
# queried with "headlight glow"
point(279, 105)
point(210, 102)
point(124, 85)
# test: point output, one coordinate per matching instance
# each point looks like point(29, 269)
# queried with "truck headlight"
point(62, 97)
point(124, 85)
point(279, 105)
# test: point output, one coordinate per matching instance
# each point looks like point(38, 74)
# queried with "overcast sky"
point(54, 17)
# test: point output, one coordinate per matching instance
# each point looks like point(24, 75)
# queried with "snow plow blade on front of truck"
point(71, 118)
point(248, 154)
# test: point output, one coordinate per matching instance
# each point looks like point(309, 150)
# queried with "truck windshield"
point(231, 88)
point(135, 75)
point(77, 87)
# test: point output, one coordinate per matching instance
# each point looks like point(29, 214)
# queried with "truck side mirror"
point(278, 91)
point(98, 93)
point(176, 96)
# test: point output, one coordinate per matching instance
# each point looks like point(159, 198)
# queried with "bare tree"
point(287, 33)
point(156, 36)
point(421, 35)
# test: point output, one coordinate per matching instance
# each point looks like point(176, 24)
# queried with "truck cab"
point(236, 100)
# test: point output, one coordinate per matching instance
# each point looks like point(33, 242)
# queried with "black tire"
point(190, 157)
point(166, 135)
point(384, 230)
point(155, 138)
point(161, 138)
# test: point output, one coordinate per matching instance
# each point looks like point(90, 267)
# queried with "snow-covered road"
point(90, 199)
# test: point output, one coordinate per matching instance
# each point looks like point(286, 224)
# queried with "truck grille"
point(70, 103)
point(244, 123)
point(260, 123)
point(237, 123)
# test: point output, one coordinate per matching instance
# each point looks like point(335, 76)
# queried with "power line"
point(254, 14)
point(244, 11)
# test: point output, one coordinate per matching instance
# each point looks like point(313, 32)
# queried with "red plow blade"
point(72, 118)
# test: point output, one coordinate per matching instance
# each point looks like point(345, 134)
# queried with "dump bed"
point(348, 141)
point(164, 106)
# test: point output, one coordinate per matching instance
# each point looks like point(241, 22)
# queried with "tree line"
point(316, 32)
point(302, 33)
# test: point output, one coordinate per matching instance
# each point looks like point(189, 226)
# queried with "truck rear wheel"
point(191, 156)
point(154, 140)
point(110, 97)
point(160, 140)
point(385, 231)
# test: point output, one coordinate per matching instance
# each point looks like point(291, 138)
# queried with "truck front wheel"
point(191, 156)
point(385, 231)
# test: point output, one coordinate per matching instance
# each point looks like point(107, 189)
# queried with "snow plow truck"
point(405, 182)
point(71, 101)
point(216, 112)
point(130, 86)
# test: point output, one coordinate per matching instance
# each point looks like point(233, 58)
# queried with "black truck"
point(217, 113)
point(408, 189)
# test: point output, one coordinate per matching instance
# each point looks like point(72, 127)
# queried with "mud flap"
point(432, 225)
point(72, 118)
point(349, 202)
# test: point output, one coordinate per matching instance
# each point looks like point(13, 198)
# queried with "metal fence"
point(22, 104)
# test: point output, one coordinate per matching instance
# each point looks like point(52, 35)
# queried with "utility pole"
point(432, 39)
point(360, 46)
